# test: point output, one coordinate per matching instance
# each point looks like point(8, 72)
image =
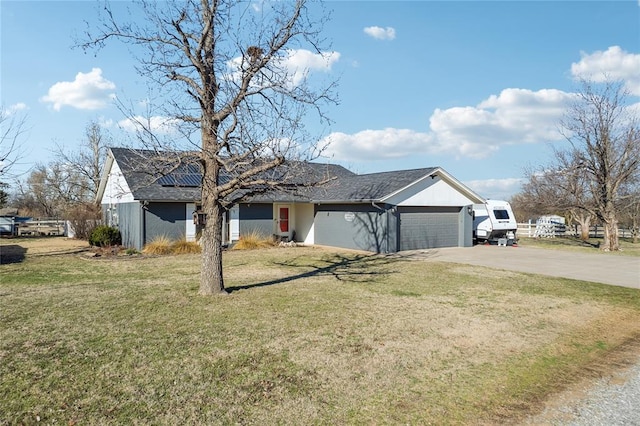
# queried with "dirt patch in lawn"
point(15, 250)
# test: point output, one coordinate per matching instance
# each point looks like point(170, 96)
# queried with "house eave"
point(105, 177)
point(438, 171)
point(352, 201)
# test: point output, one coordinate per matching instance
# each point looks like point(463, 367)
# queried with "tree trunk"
point(211, 278)
point(585, 224)
point(610, 242)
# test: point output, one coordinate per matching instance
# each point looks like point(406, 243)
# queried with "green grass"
point(306, 336)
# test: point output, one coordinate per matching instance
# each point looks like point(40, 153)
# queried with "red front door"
point(283, 220)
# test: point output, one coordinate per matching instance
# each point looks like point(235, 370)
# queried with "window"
point(501, 214)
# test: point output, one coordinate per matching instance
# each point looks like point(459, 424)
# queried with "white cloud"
point(613, 63)
point(87, 91)
point(257, 6)
point(634, 109)
point(514, 116)
point(297, 63)
point(156, 124)
point(301, 61)
point(380, 33)
point(15, 108)
point(496, 189)
point(376, 144)
point(107, 123)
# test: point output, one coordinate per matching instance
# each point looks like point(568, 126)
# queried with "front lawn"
point(307, 336)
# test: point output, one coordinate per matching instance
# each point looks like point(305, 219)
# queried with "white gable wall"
point(430, 192)
point(304, 223)
point(116, 189)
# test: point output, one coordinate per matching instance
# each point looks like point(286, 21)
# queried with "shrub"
point(160, 245)
point(83, 219)
point(253, 240)
point(103, 236)
point(182, 246)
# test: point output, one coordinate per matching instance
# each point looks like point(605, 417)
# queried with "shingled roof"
point(369, 187)
point(142, 174)
point(181, 182)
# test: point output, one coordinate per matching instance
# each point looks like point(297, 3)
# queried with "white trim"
point(105, 176)
point(234, 223)
point(190, 228)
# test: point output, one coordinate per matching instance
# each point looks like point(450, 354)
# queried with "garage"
point(429, 227)
point(354, 226)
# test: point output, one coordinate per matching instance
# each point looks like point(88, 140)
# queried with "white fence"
point(40, 227)
point(595, 231)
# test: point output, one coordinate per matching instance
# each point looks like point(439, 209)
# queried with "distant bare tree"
point(605, 148)
point(585, 181)
point(225, 67)
point(12, 128)
point(87, 161)
point(522, 207)
point(562, 191)
point(4, 195)
point(50, 190)
point(630, 209)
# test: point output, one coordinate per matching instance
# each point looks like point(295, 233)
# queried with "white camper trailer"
point(494, 222)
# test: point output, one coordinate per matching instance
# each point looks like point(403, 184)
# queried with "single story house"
point(380, 212)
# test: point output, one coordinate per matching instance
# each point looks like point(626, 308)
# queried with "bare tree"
point(604, 142)
point(4, 195)
point(562, 188)
point(630, 209)
point(577, 199)
point(51, 189)
point(585, 181)
point(226, 66)
point(12, 128)
point(86, 163)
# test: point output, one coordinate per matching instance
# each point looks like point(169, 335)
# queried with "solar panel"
point(185, 175)
point(181, 179)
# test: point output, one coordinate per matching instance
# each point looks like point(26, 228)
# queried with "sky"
point(475, 87)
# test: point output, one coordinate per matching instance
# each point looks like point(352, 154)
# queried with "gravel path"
point(609, 401)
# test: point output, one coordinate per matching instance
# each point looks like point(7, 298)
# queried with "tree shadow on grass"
point(344, 268)
point(12, 254)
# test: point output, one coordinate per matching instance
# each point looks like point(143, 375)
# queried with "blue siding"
point(353, 226)
point(128, 219)
point(165, 220)
point(256, 217)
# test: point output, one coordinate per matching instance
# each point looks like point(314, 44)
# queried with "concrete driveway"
point(596, 267)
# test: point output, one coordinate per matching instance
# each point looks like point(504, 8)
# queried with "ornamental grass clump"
point(158, 246)
point(182, 246)
point(253, 240)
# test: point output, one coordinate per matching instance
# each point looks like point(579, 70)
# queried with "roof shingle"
point(151, 176)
